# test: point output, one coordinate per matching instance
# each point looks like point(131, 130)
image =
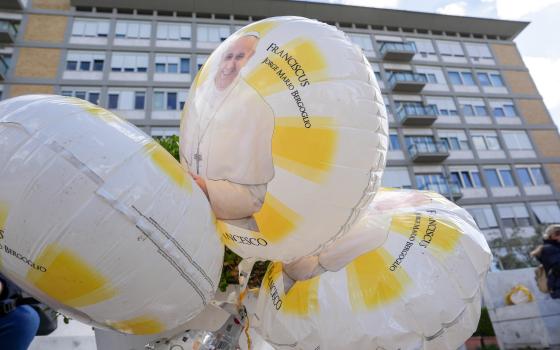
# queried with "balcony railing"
point(407, 81)
point(448, 190)
point(8, 32)
point(3, 69)
point(436, 151)
point(416, 114)
point(398, 51)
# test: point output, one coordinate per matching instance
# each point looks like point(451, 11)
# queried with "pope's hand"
point(200, 182)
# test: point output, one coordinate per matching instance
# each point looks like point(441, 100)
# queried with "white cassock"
point(226, 138)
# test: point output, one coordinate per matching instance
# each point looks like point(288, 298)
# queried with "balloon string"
point(249, 342)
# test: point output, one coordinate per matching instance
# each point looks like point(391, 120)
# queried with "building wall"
point(28, 89)
point(534, 111)
point(37, 63)
point(507, 54)
point(45, 28)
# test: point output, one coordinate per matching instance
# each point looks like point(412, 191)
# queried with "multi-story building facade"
point(466, 119)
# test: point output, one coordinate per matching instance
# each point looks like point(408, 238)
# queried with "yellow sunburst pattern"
point(138, 325)
point(275, 219)
point(95, 110)
point(302, 299)
point(431, 232)
point(267, 81)
point(68, 278)
point(165, 161)
point(306, 152)
point(370, 282)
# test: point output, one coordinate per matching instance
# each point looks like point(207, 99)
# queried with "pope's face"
point(235, 57)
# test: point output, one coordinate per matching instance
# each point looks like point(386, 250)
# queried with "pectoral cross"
point(198, 158)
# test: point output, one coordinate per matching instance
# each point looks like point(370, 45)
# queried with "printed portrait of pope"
point(226, 137)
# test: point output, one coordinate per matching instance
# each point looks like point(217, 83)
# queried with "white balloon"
point(412, 272)
point(286, 126)
point(99, 221)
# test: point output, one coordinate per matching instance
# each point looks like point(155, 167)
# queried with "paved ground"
point(72, 336)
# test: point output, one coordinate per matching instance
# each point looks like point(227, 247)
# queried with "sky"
point(539, 43)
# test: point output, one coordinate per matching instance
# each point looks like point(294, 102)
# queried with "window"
point(454, 140)
point(126, 100)
point(129, 62)
point(483, 216)
point(172, 64)
point(84, 94)
point(133, 30)
point(394, 143)
point(427, 141)
point(410, 108)
point(479, 53)
point(500, 177)
point(363, 41)
point(200, 59)
point(445, 106)
point(432, 182)
point(169, 100)
point(514, 215)
point(546, 212)
point(424, 48)
point(396, 177)
point(460, 78)
point(473, 107)
point(531, 176)
point(450, 49)
point(113, 101)
point(90, 28)
point(211, 33)
point(485, 140)
point(490, 79)
point(84, 61)
point(503, 108)
point(139, 99)
point(516, 140)
point(173, 31)
point(432, 75)
point(467, 178)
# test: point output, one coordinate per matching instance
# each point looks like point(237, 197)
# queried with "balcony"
point(398, 51)
point(3, 69)
point(8, 32)
point(427, 152)
point(413, 115)
point(407, 82)
point(450, 190)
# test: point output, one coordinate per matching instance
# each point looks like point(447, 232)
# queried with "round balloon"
point(98, 221)
point(413, 269)
point(286, 132)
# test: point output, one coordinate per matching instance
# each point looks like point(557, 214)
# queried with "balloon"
point(413, 268)
point(286, 130)
point(99, 221)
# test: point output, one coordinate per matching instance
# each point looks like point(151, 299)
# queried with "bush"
point(484, 328)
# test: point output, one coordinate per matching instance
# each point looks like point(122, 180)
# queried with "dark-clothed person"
point(549, 256)
point(19, 325)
